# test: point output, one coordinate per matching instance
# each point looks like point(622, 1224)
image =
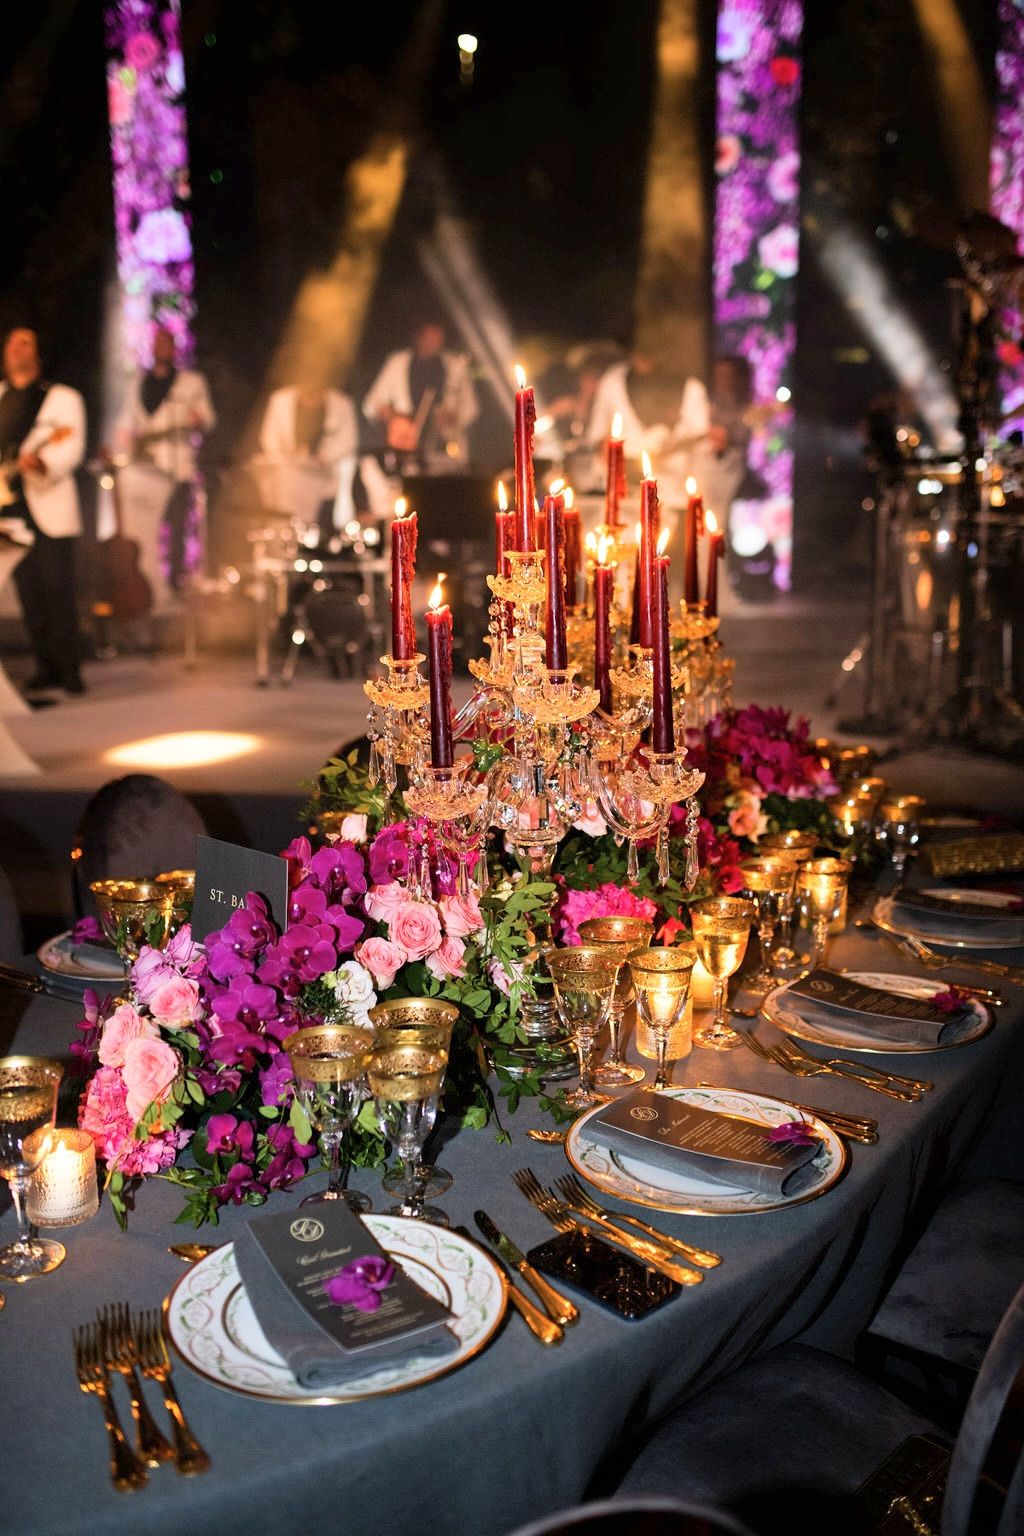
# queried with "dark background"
point(545, 157)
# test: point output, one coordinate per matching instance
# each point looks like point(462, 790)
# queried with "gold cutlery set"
point(121, 1344)
point(794, 1059)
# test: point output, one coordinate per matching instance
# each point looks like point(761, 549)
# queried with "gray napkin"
point(935, 921)
point(810, 999)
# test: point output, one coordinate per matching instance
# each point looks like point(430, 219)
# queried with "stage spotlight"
point(184, 749)
point(783, 395)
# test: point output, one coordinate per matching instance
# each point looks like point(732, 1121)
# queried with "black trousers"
point(45, 581)
point(176, 518)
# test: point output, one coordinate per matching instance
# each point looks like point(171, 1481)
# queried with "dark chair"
point(131, 828)
point(793, 1436)
point(929, 1336)
point(636, 1517)
point(11, 947)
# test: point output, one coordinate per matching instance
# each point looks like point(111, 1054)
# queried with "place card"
point(225, 873)
point(727, 1149)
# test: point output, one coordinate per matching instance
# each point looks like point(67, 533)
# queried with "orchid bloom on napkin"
point(792, 1133)
point(360, 1282)
point(951, 1000)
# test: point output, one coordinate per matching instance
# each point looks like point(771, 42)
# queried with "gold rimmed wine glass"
point(28, 1109)
point(425, 1021)
point(134, 913)
point(661, 980)
point(183, 883)
point(899, 818)
point(770, 881)
point(820, 888)
point(406, 1081)
point(584, 982)
point(329, 1064)
point(622, 935)
point(721, 930)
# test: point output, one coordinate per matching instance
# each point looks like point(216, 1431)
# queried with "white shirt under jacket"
point(53, 497)
point(184, 410)
point(391, 389)
point(670, 445)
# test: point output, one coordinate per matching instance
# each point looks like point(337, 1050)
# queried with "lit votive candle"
point(63, 1189)
point(680, 1036)
point(702, 986)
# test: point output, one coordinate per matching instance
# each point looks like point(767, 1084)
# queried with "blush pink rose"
point(461, 915)
point(124, 1025)
point(150, 1067)
point(382, 959)
point(383, 901)
point(175, 1002)
point(416, 928)
point(747, 819)
point(448, 959)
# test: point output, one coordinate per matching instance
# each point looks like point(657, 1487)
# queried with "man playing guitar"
point(426, 400)
point(42, 434)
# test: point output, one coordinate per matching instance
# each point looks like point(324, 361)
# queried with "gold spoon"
point(191, 1253)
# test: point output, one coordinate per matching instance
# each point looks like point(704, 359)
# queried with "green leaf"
point(299, 1122)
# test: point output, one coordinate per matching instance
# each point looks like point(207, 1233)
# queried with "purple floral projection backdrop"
point(149, 151)
point(757, 247)
point(1007, 175)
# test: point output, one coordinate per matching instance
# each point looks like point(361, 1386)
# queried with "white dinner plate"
point(684, 1192)
point(848, 1035)
point(81, 962)
point(942, 931)
point(212, 1325)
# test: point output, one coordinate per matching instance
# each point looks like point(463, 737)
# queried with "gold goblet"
point(183, 883)
point(622, 935)
point(661, 980)
point(134, 913)
point(329, 1063)
point(424, 1021)
point(584, 981)
point(721, 929)
point(853, 763)
point(28, 1108)
point(405, 1081)
point(820, 888)
point(770, 881)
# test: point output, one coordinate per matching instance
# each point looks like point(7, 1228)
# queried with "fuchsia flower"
point(953, 1000)
point(792, 1133)
point(607, 900)
point(226, 1134)
point(360, 1283)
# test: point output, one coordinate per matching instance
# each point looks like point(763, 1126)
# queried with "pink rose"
point(448, 960)
point(416, 928)
point(150, 1067)
point(353, 827)
point(150, 970)
point(175, 1002)
point(461, 915)
point(747, 819)
point(382, 959)
point(124, 1025)
point(500, 978)
point(383, 901)
point(141, 51)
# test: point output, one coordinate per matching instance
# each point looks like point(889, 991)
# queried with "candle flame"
point(556, 487)
point(436, 597)
point(401, 507)
point(710, 521)
point(570, 498)
point(590, 542)
point(617, 426)
point(645, 465)
point(520, 373)
point(638, 533)
point(605, 544)
point(691, 486)
point(662, 541)
point(502, 496)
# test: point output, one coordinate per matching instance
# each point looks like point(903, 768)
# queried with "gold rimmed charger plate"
point(215, 1333)
point(685, 1195)
point(789, 1021)
point(883, 918)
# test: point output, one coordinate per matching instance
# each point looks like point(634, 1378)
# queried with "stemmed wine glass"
point(721, 929)
point(28, 1109)
point(820, 888)
point(899, 829)
point(329, 1063)
point(134, 913)
point(661, 979)
point(405, 1081)
point(621, 935)
point(770, 882)
point(584, 981)
point(403, 1020)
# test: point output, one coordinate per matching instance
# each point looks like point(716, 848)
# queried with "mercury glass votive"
point(661, 979)
point(63, 1191)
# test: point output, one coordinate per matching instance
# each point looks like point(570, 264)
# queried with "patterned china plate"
point(919, 927)
point(870, 1040)
point(82, 962)
point(683, 1192)
point(214, 1329)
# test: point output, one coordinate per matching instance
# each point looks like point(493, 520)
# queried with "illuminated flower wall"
point(757, 245)
point(1007, 174)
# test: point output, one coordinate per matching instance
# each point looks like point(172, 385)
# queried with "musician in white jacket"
point(164, 417)
point(308, 445)
point(425, 398)
point(42, 429)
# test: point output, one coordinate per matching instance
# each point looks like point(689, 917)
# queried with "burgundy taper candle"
point(439, 648)
point(691, 582)
point(556, 654)
point(615, 473)
point(403, 567)
point(716, 552)
point(648, 543)
point(526, 415)
point(571, 524)
point(663, 738)
point(604, 581)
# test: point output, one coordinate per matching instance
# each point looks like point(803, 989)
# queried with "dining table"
point(520, 1429)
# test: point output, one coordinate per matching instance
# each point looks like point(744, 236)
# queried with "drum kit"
point(944, 658)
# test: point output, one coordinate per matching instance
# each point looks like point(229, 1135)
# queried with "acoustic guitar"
point(127, 595)
point(9, 469)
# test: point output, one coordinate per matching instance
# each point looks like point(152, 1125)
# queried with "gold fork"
point(574, 1194)
point(813, 1066)
point(189, 1456)
point(121, 1355)
point(562, 1216)
point(896, 1079)
point(126, 1471)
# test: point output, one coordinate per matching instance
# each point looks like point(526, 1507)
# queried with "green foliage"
point(343, 785)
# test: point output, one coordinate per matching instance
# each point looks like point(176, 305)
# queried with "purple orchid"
point(953, 1000)
point(235, 1045)
point(226, 1134)
point(360, 1283)
point(240, 1183)
point(290, 1158)
point(306, 951)
point(88, 931)
point(793, 1133)
point(277, 1082)
point(245, 1002)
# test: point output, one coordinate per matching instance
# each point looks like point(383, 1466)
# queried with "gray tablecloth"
point(520, 1429)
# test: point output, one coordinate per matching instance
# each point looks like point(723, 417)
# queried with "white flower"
point(353, 827)
point(352, 984)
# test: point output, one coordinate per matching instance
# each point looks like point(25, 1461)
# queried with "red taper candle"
point(634, 622)
point(663, 738)
point(694, 512)
point(556, 655)
point(439, 649)
point(716, 552)
point(526, 415)
point(615, 473)
point(648, 540)
point(571, 524)
point(403, 568)
point(604, 583)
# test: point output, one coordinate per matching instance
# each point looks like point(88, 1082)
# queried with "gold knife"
point(557, 1306)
